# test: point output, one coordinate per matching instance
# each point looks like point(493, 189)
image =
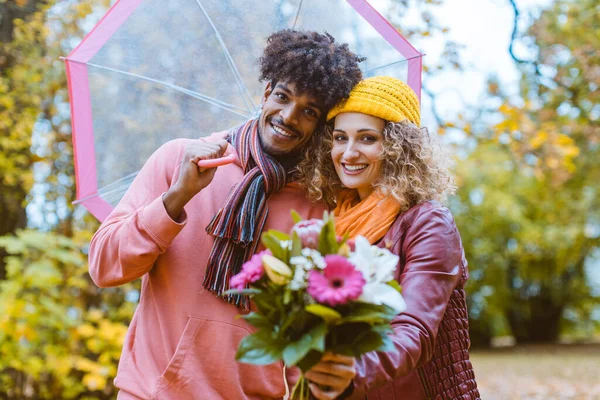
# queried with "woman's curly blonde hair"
point(415, 169)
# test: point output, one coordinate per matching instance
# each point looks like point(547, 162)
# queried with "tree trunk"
point(11, 10)
point(13, 216)
point(535, 319)
point(12, 198)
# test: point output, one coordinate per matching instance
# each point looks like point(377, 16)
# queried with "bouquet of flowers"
point(314, 293)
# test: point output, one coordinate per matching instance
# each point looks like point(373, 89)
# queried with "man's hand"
point(331, 377)
point(192, 179)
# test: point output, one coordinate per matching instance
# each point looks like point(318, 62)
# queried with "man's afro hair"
point(313, 62)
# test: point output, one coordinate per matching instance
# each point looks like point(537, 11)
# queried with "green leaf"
point(311, 340)
point(287, 297)
point(328, 314)
point(368, 341)
point(259, 348)
point(272, 243)
point(327, 239)
point(355, 339)
point(310, 360)
point(246, 292)
point(296, 245)
point(278, 234)
point(342, 337)
point(264, 303)
point(297, 322)
point(296, 217)
point(395, 285)
point(369, 313)
point(257, 320)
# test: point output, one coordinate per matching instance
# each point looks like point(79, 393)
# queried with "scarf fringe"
point(238, 225)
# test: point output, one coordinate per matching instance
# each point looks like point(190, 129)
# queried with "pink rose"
point(309, 231)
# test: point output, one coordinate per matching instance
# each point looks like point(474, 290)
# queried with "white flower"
point(299, 280)
point(285, 244)
point(316, 257)
point(376, 264)
point(310, 259)
point(381, 293)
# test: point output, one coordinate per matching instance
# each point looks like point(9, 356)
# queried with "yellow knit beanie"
point(384, 97)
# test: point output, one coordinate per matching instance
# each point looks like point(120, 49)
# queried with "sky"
point(484, 28)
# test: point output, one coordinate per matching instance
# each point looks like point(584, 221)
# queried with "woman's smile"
point(356, 151)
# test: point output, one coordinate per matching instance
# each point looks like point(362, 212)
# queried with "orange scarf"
point(371, 217)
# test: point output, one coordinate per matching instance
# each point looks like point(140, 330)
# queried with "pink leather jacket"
point(432, 335)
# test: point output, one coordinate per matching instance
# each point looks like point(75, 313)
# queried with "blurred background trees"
point(60, 337)
point(527, 205)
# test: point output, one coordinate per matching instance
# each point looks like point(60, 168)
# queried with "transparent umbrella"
point(154, 70)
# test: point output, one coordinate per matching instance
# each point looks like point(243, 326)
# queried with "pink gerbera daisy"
point(252, 270)
point(339, 283)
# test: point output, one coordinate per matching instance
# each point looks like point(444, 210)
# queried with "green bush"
point(60, 336)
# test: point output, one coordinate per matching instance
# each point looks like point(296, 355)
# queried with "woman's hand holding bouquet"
point(315, 293)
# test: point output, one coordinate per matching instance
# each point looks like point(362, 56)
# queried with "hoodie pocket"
point(177, 361)
point(204, 366)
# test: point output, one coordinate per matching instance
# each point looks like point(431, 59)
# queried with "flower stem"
point(300, 390)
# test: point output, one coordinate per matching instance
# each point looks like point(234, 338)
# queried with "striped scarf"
point(238, 224)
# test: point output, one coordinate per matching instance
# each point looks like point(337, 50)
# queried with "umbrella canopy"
point(154, 70)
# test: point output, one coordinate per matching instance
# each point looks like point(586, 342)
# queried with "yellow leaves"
point(559, 152)
point(86, 365)
point(111, 332)
point(554, 151)
point(571, 151)
point(83, 9)
point(539, 139)
point(35, 365)
point(552, 162)
point(55, 330)
point(24, 331)
point(86, 330)
point(7, 102)
point(105, 337)
point(505, 109)
point(96, 374)
point(94, 315)
point(467, 129)
point(94, 381)
point(61, 365)
point(564, 140)
point(95, 345)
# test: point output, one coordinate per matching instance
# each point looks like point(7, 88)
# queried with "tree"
point(20, 101)
point(528, 207)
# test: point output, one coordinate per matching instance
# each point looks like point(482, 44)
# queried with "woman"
point(386, 177)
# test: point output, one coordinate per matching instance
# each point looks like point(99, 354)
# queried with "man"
point(186, 230)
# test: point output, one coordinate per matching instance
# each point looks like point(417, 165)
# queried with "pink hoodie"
point(182, 340)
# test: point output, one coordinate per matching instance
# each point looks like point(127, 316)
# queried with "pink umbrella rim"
point(79, 93)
